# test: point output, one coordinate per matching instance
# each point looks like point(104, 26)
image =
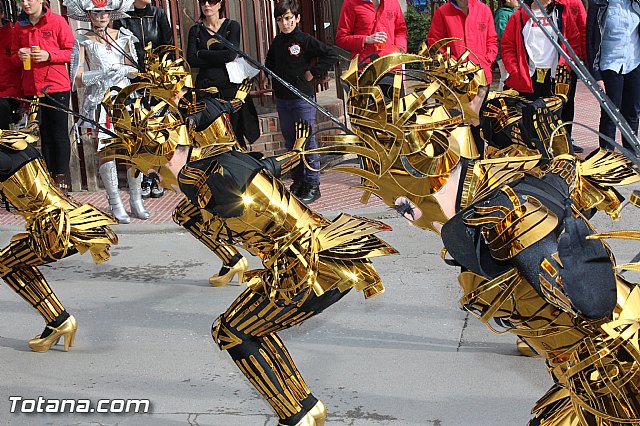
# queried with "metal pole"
point(286, 84)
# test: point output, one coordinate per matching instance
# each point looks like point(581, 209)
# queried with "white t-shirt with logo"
point(542, 53)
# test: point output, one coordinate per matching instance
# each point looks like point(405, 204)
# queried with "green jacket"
point(500, 18)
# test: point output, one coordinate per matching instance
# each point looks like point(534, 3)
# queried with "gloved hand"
point(562, 81)
point(243, 90)
point(303, 131)
point(587, 272)
point(91, 77)
point(119, 72)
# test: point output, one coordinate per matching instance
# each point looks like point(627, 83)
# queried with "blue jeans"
point(624, 92)
point(290, 111)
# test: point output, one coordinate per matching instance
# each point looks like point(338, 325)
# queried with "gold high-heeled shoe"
point(307, 420)
point(239, 268)
point(319, 413)
point(67, 330)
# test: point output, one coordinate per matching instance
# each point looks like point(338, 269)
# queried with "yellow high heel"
point(67, 330)
point(319, 413)
point(239, 268)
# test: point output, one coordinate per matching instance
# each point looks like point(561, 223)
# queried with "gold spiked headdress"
point(410, 144)
point(147, 118)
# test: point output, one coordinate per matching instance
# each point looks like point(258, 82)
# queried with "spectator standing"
point(529, 56)
point(613, 57)
point(150, 25)
point(298, 58)
point(472, 22)
point(212, 57)
point(578, 13)
point(367, 27)
point(42, 43)
point(501, 17)
point(103, 58)
point(10, 74)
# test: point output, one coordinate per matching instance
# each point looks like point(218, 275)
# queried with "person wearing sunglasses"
point(211, 58)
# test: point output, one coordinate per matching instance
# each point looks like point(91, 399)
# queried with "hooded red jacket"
point(359, 19)
point(476, 31)
point(514, 52)
point(10, 73)
point(53, 34)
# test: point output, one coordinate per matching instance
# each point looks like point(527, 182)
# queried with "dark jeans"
point(290, 111)
point(7, 106)
point(54, 134)
point(624, 92)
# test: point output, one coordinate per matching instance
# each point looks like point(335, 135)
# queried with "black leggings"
point(7, 106)
point(54, 134)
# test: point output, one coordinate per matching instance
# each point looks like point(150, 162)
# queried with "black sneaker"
point(156, 191)
point(311, 194)
point(146, 190)
point(297, 188)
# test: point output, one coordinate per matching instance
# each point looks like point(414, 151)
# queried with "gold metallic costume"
point(57, 227)
point(532, 265)
point(309, 262)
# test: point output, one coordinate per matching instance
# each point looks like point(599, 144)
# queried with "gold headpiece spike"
point(373, 72)
point(435, 47)
point(350, 76)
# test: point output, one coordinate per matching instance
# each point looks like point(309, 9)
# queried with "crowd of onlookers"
point(41, 52)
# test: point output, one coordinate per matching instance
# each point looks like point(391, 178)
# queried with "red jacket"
point(51, 33)
point(579, 13)
point(476, 31)
point(514, 52)
point(10, 73)
point(359, 19)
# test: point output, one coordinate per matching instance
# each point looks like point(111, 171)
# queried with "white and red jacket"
point(53, 34)
point(476, 31)
point(514, 52)
point(359, 19)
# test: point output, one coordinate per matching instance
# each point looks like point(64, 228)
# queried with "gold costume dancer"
point(165, 72)
point(309, 262)
point(57, 227)
point(514, 221)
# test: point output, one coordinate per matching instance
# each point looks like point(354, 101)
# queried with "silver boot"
point(109, 176)
point(135, 196)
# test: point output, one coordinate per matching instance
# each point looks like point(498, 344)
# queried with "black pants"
point(540, 89)
point(7, 106)
point(245, 121)
point(624, 92)
point(568, 110)
point(54, 134)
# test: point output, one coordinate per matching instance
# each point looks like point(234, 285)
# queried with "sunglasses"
point(210, 2)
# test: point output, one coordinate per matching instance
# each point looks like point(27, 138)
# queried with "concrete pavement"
point(408, 357)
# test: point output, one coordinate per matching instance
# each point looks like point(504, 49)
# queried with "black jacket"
point(148, 25)
point(211, 61)
point(595, 22)
point(291, 55)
